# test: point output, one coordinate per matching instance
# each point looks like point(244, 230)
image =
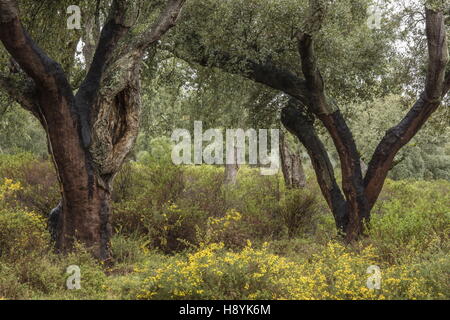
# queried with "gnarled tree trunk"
point(89, 133)
point(86, 172)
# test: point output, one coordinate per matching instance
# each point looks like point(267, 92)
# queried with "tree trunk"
point(86, 172)
point(232, 170)
point(85, 218)
point(291, 165)
point(303, 128)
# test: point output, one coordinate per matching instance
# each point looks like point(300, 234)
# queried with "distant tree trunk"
point(291, 165)
point(232, 170)
point(89, 133)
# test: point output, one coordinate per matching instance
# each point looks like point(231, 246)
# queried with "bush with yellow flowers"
point(21, 232)
point(215, 273)
point(336, 272)
point(8, 189)
point(39, 190)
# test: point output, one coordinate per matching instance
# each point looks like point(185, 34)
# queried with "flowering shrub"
point(22, 232)
point(336, 272)
point(9, 188)
point(215, 273)
point(39, 190)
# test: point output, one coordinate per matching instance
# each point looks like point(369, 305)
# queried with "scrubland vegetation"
point(179, 233)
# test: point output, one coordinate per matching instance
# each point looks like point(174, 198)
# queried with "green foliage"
point(411, 217)
point(21, 231)
point(351, 56)
point(42, 275)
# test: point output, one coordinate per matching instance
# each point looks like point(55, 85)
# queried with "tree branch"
point(134, 48)
point(117, 25)
point(91, 35)
point(264, 73)
point(166, 20)
point(436, 87)
point(44, 71)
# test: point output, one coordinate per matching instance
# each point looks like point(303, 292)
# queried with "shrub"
point(143, 188)
point(39, 185)
point(424, 279)
point(257, 198)
point(333, 272)
point(42, 275)
point(410, 218)
point(128, 250)
point(227, 229)
point(21, 232)
point(299, 209)
point(214, 273)
point(8, 191)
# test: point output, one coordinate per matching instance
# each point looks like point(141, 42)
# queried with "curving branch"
point(265, 73)
point(166, 20)
point(436, 87)
point(116, 26)
point(91, 34)
point(134, 48)
point(117, 91)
